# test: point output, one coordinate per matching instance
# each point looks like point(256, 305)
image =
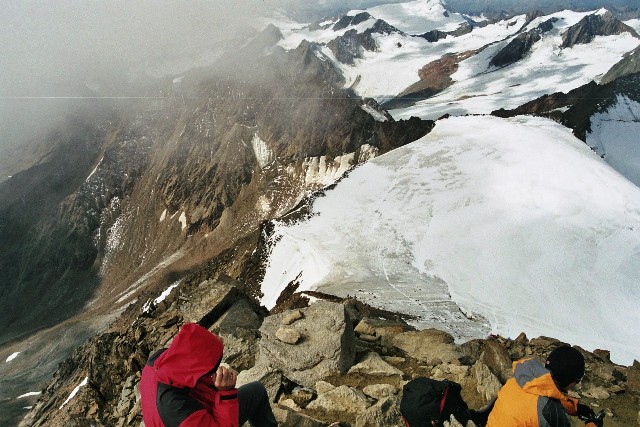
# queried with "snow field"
point(523, 224)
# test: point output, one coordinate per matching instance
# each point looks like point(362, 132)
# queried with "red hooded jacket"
point(176, 390)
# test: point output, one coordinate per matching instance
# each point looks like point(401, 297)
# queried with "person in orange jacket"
point(536, 395)
point(185, 386)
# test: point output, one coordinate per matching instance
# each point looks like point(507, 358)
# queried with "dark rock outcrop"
point(629, 64)
point(351, 44)
point(575, 108)
point(594, 25)
point(348, 47)
point(520, 45)
point(435, 35)
point(347, 21)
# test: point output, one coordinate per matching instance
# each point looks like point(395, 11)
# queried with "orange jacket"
point(531, 399)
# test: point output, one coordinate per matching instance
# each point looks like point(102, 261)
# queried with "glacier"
point(485, 225)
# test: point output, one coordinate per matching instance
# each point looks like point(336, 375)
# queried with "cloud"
point(57, 49)
point(49, 42)
point(52, 50)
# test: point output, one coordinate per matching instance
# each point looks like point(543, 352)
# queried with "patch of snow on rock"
point(264, 154)
point(12, 356)
point(95, 169)
point(634, 23)
point(75, 391)
point(147, 306)
point(319, 171)
point(29, 394)
point(367, 152)
point(374, 113)
point(183, 220)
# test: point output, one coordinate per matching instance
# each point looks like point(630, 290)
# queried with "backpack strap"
point(444, 398)
point(442, 402)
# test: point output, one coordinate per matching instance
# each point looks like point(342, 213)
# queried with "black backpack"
point(427, 402)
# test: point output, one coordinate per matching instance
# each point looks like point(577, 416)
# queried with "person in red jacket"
point(185, 386)
point(536, 395)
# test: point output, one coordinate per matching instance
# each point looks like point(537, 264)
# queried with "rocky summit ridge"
point(335, 359)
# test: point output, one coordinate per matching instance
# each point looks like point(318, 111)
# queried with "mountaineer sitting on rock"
point(185, 386)
point(536, 395)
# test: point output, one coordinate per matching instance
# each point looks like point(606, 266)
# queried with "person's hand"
point(585, 413)
point(596, 422)
point(225, 378)
point(590, 418)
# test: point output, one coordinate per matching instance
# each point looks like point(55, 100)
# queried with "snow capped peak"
point(418, 16)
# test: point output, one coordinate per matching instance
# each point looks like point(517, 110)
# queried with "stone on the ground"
point(328, 347)
point(429, 346)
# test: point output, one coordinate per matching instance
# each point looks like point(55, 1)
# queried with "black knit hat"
point(566, 365)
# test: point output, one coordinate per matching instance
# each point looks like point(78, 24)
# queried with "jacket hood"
point(193, 353)
point(534, 378)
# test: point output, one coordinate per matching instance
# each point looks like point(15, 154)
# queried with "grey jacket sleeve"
point(552, 414)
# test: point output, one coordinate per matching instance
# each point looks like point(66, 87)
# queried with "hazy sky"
point(53, 48)
point(56, 40)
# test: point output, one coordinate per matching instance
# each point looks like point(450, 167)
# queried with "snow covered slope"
point(418, 16)
point(514, 220)
point(614, 134)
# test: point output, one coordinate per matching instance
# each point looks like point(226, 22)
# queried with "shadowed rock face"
point(520, 45)
point(435, 35)
point(351, 44)
point(348, 47)
point(629, 64)
point(347, 20)
point(516, 49)
point(592, 26)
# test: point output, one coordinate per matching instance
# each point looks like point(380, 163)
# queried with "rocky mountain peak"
point(520, 45)
point(435, 35)
point(352, 43)
point(597, 24)
point(348, 20)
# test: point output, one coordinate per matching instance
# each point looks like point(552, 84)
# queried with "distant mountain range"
point(546, 6)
